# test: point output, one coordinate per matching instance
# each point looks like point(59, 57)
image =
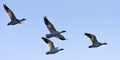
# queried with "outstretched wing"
point(61, 37)
point(10, 13)
point(50, 43)
point(92, 38)
point(49, 25)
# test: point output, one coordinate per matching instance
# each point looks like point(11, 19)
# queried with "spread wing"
point(60, 37)
point(49, 25)
point(10, 13)
point(92, 38)
point(50, 43)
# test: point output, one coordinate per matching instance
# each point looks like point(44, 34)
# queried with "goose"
point(53, 31)
point(52, 48)
point(13, 19)
point(95, 43)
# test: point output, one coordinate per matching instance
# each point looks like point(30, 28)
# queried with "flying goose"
point(95, 43)
point(52, 49)
point(53, 31)
point(14, 20)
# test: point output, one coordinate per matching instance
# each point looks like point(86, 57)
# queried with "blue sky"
point(23, 41)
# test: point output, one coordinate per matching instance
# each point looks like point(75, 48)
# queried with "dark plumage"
point(52, 48)
point(13, 18)
point(53, 31)
point(94, 41)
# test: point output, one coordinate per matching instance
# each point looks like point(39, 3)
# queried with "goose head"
point(20, 21)
point(104, 43)
point(63, 31)
point(23, 19)
point(61, 49)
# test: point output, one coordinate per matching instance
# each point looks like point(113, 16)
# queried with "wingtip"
point(45, 39)
point(86, 33)
point(5, 7)
point(4, 4)
point(89, 35)
point(45, 16)
point(46, 20)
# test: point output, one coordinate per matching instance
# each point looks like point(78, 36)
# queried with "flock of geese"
point(53, 33)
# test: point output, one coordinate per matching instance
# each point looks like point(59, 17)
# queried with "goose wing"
point(10, 13)
point(50, 43)
point(49, 25)
point(61, 37)
point(92, 38)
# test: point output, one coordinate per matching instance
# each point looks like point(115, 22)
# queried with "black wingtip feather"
point(5, 7)
point(46, 20)
point(88, 34)
point(45, 39)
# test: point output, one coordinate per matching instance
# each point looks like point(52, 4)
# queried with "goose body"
point(94, 41)
point(52, 48)
point(53, 31)
point(13, 18)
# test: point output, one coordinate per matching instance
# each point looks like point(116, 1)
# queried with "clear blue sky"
point(23, 41)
